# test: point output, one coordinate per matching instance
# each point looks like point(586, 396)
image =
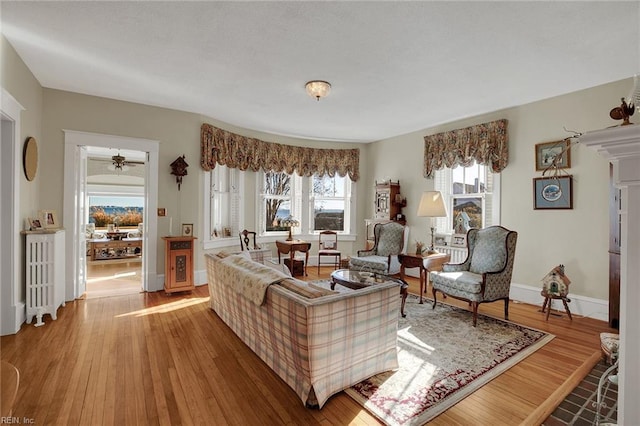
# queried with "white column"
point(621, 146)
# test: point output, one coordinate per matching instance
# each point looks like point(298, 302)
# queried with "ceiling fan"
point(119, 162)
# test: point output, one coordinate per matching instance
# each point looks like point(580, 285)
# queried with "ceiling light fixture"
point(118, 161)
point(318, 88)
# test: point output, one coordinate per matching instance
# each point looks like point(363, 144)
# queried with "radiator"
point(458, 254)
point(44, 259)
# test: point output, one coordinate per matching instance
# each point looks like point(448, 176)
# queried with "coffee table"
point(358, 279)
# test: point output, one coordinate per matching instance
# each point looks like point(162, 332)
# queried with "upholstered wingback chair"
point(389, 242)
point(485, 276)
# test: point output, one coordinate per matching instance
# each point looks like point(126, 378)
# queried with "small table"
point(291, 247)
point(356, 280)
point(426, 263)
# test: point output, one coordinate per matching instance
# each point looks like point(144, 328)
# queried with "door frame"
point(73, 141)
point(12, 310)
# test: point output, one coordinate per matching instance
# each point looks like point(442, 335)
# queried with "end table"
point(426, 263)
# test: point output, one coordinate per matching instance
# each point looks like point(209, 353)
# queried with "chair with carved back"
point(328, 247)
point(246, 237)
point(485, 275)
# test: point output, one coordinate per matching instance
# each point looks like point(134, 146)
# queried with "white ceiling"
point(395, 67)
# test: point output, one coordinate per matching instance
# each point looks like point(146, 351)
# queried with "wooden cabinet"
point(388, 202)
point(615, 223)
point(178, 264)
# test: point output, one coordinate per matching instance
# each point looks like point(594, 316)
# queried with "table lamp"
point(289, 222)
point(432, 205)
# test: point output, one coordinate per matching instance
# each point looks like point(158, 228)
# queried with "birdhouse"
point(556, 283)
point(461, 224)
point(179, 169)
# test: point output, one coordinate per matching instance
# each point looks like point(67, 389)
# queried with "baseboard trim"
point(580, 305)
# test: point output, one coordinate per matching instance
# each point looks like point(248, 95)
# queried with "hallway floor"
point(113, 279)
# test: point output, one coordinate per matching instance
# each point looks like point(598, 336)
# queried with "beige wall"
point(577, 238)
point(18, 80)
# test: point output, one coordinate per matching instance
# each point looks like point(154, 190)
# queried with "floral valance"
point(229, 149)
point(486, 143)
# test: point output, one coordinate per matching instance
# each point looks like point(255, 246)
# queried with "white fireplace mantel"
point(621, 146)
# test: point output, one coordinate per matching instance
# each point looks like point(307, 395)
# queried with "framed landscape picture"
point(553, 193)
point(556, 154)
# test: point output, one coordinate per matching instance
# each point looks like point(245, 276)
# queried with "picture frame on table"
point(49, 219)
point(554, 154)
point(459, 240)
point(34, 224)
point(440, 240)
point(553, 193)
point(187, 229)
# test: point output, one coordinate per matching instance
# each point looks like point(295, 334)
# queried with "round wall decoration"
point(30, 158)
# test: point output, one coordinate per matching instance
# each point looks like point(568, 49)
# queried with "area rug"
point(443, 359)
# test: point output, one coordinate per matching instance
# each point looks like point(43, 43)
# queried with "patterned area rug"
point(443, 359)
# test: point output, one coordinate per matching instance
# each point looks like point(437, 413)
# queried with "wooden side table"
point(426, 263)
point(290, 247)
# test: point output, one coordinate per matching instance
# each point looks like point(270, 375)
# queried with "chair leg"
point(474, 305)
point(433, 291)
point(506, 308)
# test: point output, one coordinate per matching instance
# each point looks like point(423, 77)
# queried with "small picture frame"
point(187, 229)
point(459, 240)
point(553, 154)
point(162, 211)
point(49, 219)
point(553, 193)
point(440, 240)
point(34, 224)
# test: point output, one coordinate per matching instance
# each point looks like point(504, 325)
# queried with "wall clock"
point(30, 158)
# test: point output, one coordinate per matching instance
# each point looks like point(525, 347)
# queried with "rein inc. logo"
point(17, 420)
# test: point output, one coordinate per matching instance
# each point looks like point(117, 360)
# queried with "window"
point(330, 203)
point(279, 199)
point(472, 197)
point(317, 203)
point(223, 203)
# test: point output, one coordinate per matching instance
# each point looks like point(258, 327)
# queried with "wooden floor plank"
point(151, 359)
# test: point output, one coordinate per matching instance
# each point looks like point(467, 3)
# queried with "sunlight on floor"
point(167, 307)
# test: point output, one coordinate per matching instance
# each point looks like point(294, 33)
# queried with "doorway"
point(76, 197)
point(114, 226)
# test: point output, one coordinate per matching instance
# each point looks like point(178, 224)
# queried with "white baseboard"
point(579, 305)
point(199, 278)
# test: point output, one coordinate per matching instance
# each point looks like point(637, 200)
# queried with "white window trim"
point(349, 205)
point(208, 241)
point(442, 183)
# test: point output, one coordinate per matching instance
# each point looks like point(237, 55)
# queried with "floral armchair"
point(485, 276)
point(390, 239)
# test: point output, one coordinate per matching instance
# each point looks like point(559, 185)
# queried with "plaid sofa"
point(318, 345)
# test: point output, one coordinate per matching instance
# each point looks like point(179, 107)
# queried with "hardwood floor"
point(150, 358)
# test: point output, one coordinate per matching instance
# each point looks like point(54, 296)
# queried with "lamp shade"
point(432, 205)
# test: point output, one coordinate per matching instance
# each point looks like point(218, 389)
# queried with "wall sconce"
point(179, 169)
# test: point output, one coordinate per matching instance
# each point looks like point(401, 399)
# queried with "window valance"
point(486, 143)
point(229, 149)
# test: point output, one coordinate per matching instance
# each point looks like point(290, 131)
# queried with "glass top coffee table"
point(358, 279)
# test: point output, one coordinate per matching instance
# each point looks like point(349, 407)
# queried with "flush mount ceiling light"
point(318, 88)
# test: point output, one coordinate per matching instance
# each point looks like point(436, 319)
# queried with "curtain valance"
point(229, 149)
point(486, 143)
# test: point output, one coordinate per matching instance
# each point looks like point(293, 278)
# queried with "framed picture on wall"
point(553, 193)
point(553, 154)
